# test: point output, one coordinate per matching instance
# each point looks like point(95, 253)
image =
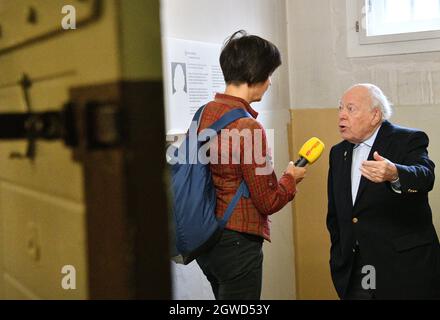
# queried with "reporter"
point(234, 265)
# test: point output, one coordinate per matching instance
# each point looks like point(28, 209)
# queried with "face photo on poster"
point(179, 97)
point(179, 78)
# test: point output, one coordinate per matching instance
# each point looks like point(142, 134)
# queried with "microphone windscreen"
point(312, 150)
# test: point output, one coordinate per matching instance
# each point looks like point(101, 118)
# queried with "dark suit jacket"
point(395, 231)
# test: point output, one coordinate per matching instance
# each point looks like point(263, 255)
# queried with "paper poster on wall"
point(192, 76)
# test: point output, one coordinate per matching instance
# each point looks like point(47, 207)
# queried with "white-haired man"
point(383, 242)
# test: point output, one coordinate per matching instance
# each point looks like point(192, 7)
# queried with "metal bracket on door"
point(100, 126)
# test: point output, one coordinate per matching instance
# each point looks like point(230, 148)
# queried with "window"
point(395, 26)
point(401, 16)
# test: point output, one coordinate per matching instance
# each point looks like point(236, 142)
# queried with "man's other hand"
point(379, 170)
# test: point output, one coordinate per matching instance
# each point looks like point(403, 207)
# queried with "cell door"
point(83, 210)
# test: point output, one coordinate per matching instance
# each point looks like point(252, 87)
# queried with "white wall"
point(320, 71)
point(213, 21)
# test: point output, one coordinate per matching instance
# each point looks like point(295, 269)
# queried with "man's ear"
point(377, 117)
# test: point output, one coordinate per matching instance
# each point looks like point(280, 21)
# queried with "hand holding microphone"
point(308, 154)
point(298, 173)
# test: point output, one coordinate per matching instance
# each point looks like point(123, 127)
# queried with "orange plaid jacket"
point(267, 194)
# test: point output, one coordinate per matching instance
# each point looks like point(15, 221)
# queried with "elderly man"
point(383, 242)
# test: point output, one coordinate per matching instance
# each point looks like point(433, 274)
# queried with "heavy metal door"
point(83, 210)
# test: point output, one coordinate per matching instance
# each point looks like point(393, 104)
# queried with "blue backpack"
point(194, 225)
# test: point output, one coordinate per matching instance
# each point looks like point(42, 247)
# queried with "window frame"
point(359, 45)
point(396, 37)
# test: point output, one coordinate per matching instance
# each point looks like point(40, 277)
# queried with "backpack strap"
point(228, 118)
point(225, 120)
point(242, 191)
point(198, 114)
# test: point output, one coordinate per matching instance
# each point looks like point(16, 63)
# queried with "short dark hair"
point(248, 59)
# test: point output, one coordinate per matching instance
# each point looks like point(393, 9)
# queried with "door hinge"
point(96, 126)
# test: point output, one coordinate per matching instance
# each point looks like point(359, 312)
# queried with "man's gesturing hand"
point(379, 170)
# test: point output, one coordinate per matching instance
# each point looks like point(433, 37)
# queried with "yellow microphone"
point(310, 152)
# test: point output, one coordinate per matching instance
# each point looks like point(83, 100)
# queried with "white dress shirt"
point(360, 154)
